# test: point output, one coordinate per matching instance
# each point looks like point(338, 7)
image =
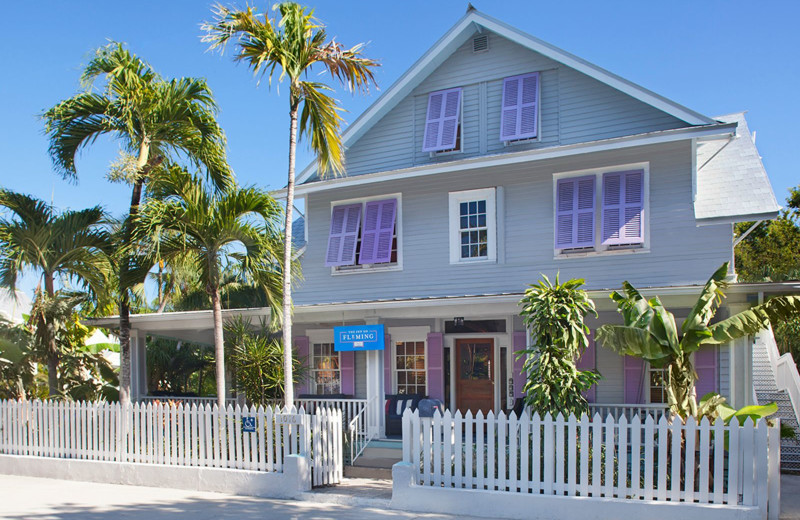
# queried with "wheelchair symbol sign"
point(248, 424)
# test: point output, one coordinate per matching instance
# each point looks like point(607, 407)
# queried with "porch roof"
point(197, 326)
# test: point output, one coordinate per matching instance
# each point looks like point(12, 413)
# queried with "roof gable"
point(462, 31)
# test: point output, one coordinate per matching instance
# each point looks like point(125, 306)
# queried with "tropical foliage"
point(293, 46)
point(156, 120)
point(257, 361)
point(554, 313)
point(769, 253)
point(179, 368)
point(71, 247)
point(237, 228)
point(650, 332)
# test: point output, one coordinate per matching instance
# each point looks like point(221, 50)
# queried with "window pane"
point(482, 206)
point(473, 207)
point(463, 208)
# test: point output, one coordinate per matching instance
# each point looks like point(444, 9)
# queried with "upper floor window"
point(473, 229)
point(519, 118)
point(443, 121)
point(363, 235)
point(620, 220)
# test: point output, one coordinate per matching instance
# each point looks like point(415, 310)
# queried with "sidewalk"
point(44, 499)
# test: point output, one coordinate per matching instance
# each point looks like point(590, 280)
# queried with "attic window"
point(480, 43)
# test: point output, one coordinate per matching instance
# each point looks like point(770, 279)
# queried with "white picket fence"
point(593, 457)
point(250, 438)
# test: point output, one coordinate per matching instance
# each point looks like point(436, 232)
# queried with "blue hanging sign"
point(248, 424)
point(358, 337)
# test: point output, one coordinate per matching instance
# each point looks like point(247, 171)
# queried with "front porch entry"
point(474, 378)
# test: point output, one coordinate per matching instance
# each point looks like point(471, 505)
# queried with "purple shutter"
point(519, 375)
point(519, 115)
point(575, 212)
point(633, 372)
point(442, 120)
point(387, 365)
point(377, 231)
point(343, 237)
point(436, 365)
point(347, 369)
point(705, 364)
point(588, 361)
point(301, 351)
point(623, 208)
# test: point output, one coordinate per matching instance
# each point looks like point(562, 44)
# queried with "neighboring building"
point(14, 306)
point(494, 159)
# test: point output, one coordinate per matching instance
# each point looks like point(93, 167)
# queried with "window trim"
point(599, 249)
point(649, 387)
point(398, 226)
point(454, 199)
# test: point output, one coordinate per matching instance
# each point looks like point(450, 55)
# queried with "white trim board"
point(464, 28)
point(617, 143)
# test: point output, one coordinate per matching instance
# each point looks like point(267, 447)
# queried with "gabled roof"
point(456, 36)
point(732, 185)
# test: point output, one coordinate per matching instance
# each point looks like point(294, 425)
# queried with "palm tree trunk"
point(52, 346)
point(288, 385)
point(124, 303)
point(219, 346)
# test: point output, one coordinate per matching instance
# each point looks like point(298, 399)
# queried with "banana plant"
point(649, 332)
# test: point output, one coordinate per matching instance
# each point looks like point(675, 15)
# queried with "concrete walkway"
point(44, 499)
point(790, 497)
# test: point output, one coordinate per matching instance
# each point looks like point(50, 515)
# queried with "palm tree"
point(650, 333)
point(238, 228)
point(295, 44)
point(157, 121)
point(73, 245)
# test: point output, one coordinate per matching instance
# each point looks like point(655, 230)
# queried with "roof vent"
point(480, 43)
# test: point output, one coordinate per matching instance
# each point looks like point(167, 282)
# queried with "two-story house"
point(497, 157)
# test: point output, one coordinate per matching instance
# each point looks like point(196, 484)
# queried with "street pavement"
point(45, 499)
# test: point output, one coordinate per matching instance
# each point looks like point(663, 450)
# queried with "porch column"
point(138, 365)
point(374, 391)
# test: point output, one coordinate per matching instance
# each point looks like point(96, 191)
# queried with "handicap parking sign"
point(248, 424)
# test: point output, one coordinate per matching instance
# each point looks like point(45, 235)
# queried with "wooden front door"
point(474, 375)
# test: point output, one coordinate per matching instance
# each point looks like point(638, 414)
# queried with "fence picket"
point(675, 432)
point(479, 452)
point(458, 449)
point(703, 466)
point(719, 460)
point(661, 491)
point(559, 461)
point(524, 452)
point(610, 456)
point(548, 475)
point(513, 461)
point(597, 455)
point(536, 455)
point(437, 444)
point(469, 429)
point(447, 445)
point(502, 446)
point(691, 436)
point(622, 456)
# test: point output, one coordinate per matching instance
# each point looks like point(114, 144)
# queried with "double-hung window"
point(364, 235)
point(410, 367)
point(443, 122)
point(325, 372)
point(473, 227)
point(519, 117)
point(601, 211)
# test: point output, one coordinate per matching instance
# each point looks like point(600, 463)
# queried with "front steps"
point(377, 460)
point(767, 392)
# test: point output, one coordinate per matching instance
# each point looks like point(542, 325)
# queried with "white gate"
point(327, 460)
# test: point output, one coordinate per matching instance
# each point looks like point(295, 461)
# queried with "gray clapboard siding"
point(680, 251)
point(573, 108)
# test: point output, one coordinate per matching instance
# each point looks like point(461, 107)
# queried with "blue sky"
point(715, 57)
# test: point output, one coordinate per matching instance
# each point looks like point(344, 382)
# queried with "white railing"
point(596, 457)
point(787, 378)
point(257, 439)
point(349, 407)
point(208, 401)
point(357, 432)
point(629, 410)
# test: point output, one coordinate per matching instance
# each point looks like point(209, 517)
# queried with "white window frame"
point(599, 248)
point(398, 226)
point(320, 336)
point(648, 387)
point(455, 199)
